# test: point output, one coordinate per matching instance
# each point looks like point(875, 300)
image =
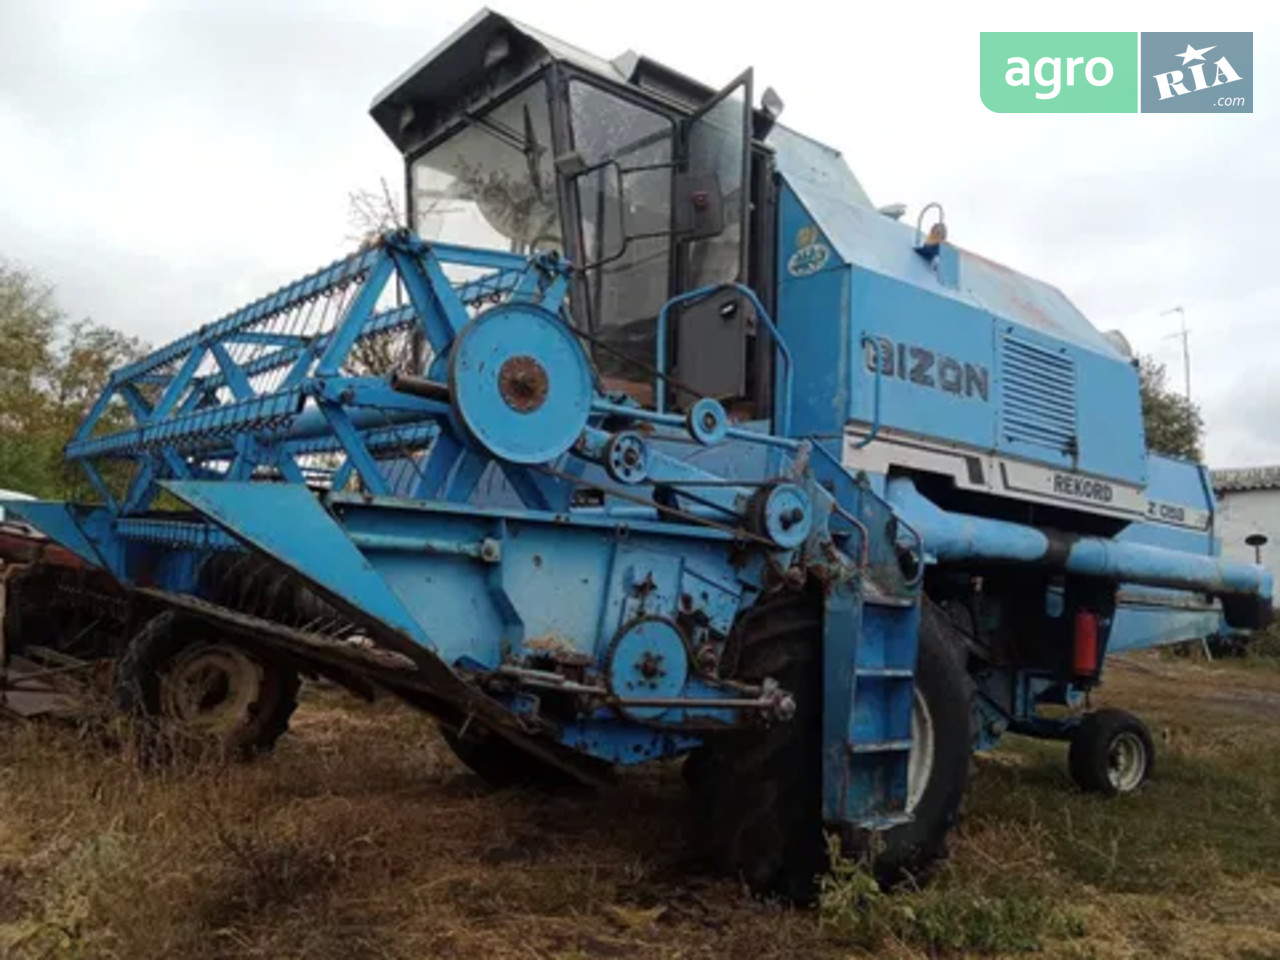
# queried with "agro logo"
point(1059, 72)
point(811, 254)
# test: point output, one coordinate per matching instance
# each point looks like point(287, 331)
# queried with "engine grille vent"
point(1038, 396)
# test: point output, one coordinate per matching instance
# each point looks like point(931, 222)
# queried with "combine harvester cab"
point(677, 447)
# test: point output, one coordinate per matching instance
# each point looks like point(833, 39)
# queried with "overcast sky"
point(164, 162)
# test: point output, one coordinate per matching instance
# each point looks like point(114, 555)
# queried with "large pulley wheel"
point(190, 689)
point(521, 384)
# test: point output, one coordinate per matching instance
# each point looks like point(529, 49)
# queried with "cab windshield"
point(492, 184)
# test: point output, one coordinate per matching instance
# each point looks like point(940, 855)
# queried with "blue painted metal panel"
point(1180, 496)
point(287, 522)
point(934, 357)
point(60, 522)
point(813, 317)
point(862, 236)
point(1146, 616)
point(1141, 623)
point(969, 351)
point(842, 631)
point(1110, 419)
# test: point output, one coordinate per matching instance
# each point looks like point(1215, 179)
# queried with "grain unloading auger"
point(618, 513)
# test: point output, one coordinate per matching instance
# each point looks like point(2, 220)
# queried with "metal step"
point(881, 746)
point(892, 673)
point(884, 821)
point(872, 594)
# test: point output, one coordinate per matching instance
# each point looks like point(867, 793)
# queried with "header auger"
point(682, 449)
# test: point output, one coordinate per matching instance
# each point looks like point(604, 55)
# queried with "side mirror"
point(699, 211)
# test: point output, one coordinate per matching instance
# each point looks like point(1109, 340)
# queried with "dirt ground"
point(363, 837)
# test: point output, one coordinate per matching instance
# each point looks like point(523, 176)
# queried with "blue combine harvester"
point(652, 438)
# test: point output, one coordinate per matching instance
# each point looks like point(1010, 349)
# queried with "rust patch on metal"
point(559, 650)
point(1022, 291)
point(547, 643)
point(523, 383)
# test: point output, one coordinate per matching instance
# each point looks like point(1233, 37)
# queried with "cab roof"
point(488, 53)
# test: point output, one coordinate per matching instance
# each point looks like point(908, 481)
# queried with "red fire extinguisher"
point(1084, 659)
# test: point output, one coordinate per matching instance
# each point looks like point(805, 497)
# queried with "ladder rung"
point(900, 673)
point(885, 821)
point(871, 594)
point(881, 746)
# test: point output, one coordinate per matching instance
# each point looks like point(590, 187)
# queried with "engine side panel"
point(887, 339)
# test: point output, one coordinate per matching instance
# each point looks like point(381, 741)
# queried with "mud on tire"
point(188, 689)
point(758, 794)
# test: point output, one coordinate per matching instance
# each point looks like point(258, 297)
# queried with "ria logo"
point(1197, 73)
point(1171, 84)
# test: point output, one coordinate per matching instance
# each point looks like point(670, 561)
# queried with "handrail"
point(875, 410)
point(783, 426)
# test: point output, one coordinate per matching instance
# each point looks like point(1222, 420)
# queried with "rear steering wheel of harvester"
point(1111, 753)
point(189, 686)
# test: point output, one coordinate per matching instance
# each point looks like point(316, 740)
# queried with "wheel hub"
point(920, 765)
point(522, 381)
point(647, 660)
point(1126, 762)
point(210, 688)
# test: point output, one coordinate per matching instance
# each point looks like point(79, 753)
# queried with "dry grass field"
point(363, 838)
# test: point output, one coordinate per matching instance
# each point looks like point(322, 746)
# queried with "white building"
point(1249, 504)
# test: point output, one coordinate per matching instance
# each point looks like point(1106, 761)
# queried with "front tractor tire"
point(758, 794)
point(189, 689)
point(1111, 753)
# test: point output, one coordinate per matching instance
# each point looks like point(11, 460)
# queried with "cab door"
point(712, 213)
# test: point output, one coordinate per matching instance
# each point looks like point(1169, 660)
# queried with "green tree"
point(1173, 423)
point(51, 372)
